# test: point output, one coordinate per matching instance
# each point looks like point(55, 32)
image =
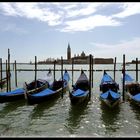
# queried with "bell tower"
point(68, 52)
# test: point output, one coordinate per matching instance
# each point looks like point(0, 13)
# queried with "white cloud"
point(53, 14)
point(68, 6)
point(82, 10)
point(129, 48)
point(89, 23)
point(70, 17)
point(8, 9)
point(31, 11)
point(129, 9)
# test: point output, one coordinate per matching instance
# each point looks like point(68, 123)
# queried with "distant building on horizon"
point(84, 59)
point(78, 59)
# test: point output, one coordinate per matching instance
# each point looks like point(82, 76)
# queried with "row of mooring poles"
point(8, 74)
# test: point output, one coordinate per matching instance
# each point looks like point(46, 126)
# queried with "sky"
point(104, 29)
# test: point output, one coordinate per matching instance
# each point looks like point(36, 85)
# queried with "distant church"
point(84, 59)
point(68, 52)
point(79, 59)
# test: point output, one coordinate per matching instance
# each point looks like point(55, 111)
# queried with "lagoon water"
point(58, 118)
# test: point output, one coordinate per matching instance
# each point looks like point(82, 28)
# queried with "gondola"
point(110, 95)
point(53, 91)
point(12, 95)
point(81, 89)
point(19, 93)
point(132, 89)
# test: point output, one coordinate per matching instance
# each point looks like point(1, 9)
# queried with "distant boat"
point(52, 91)
point(110, 95)
point(80, 91)
point(132, 90)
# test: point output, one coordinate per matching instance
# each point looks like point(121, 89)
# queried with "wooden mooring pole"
point(115, 69)
point(136, 69)
point(1, 69)
point(92, 70)
point(62, 76)
point(35, 71)
point(72, 69)
point(90, 61)
point(54, 69)
point(123, 70)
point(15, 73)
point(9, 73)
point(7, 87)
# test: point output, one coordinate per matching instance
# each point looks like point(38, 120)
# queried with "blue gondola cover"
point(136, 97)
point(44, 93)
point(79, 92)
point(66, 76)
point(16, 91)
point(112, 93)
point(106, 78)
point(128, 78)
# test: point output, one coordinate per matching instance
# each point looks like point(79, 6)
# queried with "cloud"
point(83, 10)
point(32, 11)
point(89, 23)
point(70, 17)
point(129, 9)
point(128, 47)
point(8, 9)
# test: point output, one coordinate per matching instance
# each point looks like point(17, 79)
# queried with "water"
point(58, 118)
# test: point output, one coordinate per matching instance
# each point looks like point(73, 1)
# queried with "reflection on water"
point(8, 117)
point(11, 106)
point(136, 109)
point(135, 118)
point(39, 108)
point(110, 116)
point(75, 116)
